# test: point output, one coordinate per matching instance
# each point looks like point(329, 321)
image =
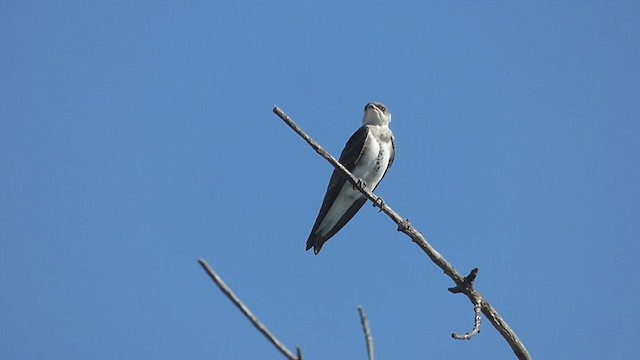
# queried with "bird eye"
point(384, 109)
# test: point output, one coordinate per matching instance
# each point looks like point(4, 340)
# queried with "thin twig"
point(245, 310)
point(467, 284)
point(404, 226)
point(367, 332)
point(476, 326)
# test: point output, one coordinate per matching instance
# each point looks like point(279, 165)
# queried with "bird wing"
point(348, 158)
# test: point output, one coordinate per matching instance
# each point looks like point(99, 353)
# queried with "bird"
point(368, 155)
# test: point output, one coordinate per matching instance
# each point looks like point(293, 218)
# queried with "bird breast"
point(373, 161)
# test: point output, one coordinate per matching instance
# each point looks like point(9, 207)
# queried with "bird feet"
point(361, 185)
point(379, 203)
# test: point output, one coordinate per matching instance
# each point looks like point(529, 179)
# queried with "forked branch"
point(465, 287)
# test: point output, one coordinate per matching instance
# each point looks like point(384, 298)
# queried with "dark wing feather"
point(318, 240)
point(351, 212)
point(349, 157)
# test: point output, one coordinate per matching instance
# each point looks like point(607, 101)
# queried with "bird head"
point(376, 114)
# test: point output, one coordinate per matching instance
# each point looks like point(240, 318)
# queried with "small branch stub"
point(466, 284)
point(404, 226)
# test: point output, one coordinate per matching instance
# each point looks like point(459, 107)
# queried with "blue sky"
point(138, 137)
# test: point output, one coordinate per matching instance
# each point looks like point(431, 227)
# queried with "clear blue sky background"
point(137, 138)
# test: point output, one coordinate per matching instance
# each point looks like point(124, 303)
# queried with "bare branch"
point(476, 326)
point(466, 285)
point(404, 226)
point(367, 332)
point(245, 310)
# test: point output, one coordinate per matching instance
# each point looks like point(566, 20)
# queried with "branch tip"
point(476, 325)
point(367, 331)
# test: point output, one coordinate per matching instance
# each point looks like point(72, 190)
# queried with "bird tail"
point(315, 241)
